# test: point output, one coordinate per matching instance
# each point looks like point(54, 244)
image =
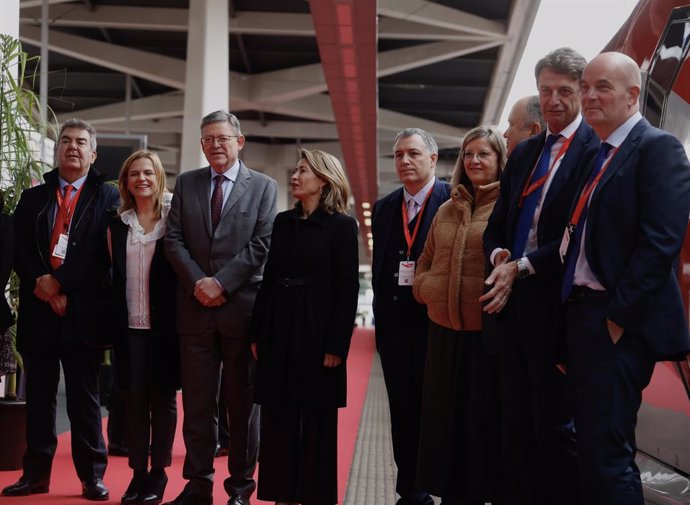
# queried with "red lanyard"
point(587, 191)
point(406, 229)
point(66, 213)
point(531, 188)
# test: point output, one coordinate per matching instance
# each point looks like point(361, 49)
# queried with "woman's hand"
point(255, 350)
point(331, 360)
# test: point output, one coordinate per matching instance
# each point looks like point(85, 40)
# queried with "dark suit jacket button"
point(395, 298)
point(395, 274)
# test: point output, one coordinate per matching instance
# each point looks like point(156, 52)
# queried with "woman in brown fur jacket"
point(458, 431)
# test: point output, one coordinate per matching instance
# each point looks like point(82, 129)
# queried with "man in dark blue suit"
point(521, 240)
point(61, 258)
point(624, 308)
point(400, 224)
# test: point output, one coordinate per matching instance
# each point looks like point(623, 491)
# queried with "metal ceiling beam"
point(146, 65)
point(245, 23)
point(401, 60)
point(37, 3)
point(521, 21)
point(168, 19)
point(154, 67)
point(434, 14)
point(272, 129)
point(306, 80)
point(402, 29)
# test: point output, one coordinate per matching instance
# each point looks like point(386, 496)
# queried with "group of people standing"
point(520, 310)
point(172, 281)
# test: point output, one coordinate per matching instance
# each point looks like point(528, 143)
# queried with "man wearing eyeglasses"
point(521, 241)
point(219, 230)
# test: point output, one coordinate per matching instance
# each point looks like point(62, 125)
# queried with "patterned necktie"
point(576, 239)
point(217, 200)
point(529, 204)
point(61, 225)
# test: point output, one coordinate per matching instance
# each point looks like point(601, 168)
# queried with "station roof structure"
point(343, 75)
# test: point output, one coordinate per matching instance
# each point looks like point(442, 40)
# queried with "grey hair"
point(563, 60)
point(533, 112)
point(82, 125)
point(220, 116)
point(428, 139)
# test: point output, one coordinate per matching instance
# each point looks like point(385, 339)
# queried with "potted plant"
point(20, 166)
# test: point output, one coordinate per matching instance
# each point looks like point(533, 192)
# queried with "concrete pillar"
point(207, 80)
point(9, 21)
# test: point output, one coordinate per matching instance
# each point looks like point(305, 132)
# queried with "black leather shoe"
point(25, 486)
point(135, 489)
point(187, 498)
point(154, 487)
point(94, 490)
point(238, 500)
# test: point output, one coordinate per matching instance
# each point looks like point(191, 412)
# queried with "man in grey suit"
point(219, 229)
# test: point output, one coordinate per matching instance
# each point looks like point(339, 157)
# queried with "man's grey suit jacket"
point(234, 254)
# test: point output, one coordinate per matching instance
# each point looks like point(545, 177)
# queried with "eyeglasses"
point(222, 139)
point(482, 155)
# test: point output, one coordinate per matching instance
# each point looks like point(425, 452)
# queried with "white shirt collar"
point(568, 131)
point(230, 173)
point(76, 184)
point(420, 195)
point(136, 232)
point(622, 132)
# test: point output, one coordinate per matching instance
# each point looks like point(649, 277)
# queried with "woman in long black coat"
point(301, 329)
point(145, 338)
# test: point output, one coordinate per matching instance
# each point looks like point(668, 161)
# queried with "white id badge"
point(565, 241)
point(60, 250)
point(406, 273)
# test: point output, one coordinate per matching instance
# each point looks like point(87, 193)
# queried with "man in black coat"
point(402, 324)
point(521, 241)
point(61, 258)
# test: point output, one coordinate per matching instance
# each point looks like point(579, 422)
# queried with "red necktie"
point(61, 225)
point(217, 200)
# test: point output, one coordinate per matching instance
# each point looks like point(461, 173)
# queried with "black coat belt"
point(290, 282)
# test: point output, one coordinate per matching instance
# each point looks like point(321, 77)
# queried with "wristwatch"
point(522, 268)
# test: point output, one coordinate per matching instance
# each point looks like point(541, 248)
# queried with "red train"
point(657, 37)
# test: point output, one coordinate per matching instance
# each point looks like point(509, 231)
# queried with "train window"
point(676, 118)
point(668, 58)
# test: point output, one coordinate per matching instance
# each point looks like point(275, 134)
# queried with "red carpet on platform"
point(65, 488)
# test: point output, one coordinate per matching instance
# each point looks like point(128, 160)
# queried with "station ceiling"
point(444, 65)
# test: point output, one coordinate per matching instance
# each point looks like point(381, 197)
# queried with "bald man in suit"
point(624, 307)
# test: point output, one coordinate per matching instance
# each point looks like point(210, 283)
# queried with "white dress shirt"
point(419, 196)
point(583, 273)
point(140, 249)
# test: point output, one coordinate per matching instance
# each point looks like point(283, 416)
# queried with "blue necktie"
point(529, 204)
point(576, 239)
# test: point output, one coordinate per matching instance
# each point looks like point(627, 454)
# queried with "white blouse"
point(140, 249)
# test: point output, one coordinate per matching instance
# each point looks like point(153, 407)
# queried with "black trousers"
point(539, 447)
point(80, 365)
point(608, 380)
point(403, 354)
point(151, 412)
point(201, 358)
point(299, 455)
